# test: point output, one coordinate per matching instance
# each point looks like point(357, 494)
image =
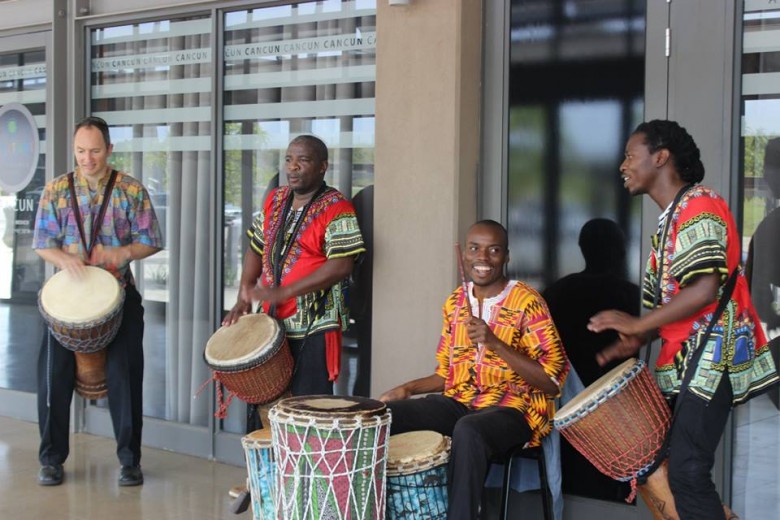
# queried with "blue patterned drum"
point(417, 476)
point(262, 473)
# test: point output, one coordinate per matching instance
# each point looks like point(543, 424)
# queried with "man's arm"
point(120, 256)
point(332, 271)
point(424, 385)
point(61, 260)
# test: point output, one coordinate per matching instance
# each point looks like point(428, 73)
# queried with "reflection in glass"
point(575, 94)
point(21, 269)
point(576, 86)
point(755, 478)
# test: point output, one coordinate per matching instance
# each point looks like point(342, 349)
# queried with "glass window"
point(22, 148)
point(151, 81)
point(755, 478)
point(308, 68)
point(576, 92)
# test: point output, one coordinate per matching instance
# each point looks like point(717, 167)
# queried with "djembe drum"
point(251, 358)
point(261, 470)
point(619, 424)
point(330, 455)
point(417, 476)
point(84, 314)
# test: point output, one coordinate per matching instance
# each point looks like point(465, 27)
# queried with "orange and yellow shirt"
point(478, 377)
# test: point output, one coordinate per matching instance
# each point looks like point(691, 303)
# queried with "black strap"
point(661, 246)
point(691, 365)
point(96, 220)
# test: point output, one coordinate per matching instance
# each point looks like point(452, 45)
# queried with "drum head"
point(261, 437)
point(250, 338)
point(80, 299)
point(622, 373)
point(415, 446)
point(329, 406)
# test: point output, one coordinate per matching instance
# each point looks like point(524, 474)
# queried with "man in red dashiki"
point(302, 246)
point(500, 365)
point(696, 249)
point(129, 231)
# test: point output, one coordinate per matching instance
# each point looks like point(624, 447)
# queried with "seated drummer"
point(499, 368)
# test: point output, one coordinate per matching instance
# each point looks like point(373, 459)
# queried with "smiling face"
point(91, 153)
point(305, 169)
point(484, 259)
point(639, 169)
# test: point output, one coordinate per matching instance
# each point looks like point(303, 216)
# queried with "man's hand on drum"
point(242, 306)
point(71, 263)
point(110, 257)
point(272, 295)
point(398, 393)
point(631, 336)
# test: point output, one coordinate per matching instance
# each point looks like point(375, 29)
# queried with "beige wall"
point(427, 150)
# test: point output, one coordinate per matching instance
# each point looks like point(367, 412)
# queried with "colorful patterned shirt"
point(478, 377)
point(329, 230)
point(703, 239)
point(129, 217)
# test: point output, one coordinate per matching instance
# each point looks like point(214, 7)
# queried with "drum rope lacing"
point(622, 444)
point(333, 467)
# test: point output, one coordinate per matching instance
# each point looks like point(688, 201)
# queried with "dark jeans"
point(124, 378)
point(695, 434)
point(478, 437)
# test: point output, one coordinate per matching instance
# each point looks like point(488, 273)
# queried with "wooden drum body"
point(619, 422)
point(417, 476)
point(331, 454)
point(251, 358)
point(84, 314)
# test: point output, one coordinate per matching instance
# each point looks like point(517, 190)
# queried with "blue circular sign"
point(19, 146)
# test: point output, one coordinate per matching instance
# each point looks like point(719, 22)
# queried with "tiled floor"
point(177, 487)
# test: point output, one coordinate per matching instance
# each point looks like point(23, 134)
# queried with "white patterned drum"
point(330, 454)
point(417, 476)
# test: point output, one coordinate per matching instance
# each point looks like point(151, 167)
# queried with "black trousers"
point(478, 438)
point(124, 378)
point(695, 434)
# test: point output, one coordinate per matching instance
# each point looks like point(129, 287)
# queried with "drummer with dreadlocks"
point(714, 354)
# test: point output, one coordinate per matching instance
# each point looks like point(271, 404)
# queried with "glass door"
point(23, 123)
point(755, 479)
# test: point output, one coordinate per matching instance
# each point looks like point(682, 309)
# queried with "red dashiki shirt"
point(703, 239)
point(329, 230)
point(478, 377)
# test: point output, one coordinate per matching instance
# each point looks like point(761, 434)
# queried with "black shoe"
point(131, 476)
point(51, 475)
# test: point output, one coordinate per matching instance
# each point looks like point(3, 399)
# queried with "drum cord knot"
point(632, 495)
